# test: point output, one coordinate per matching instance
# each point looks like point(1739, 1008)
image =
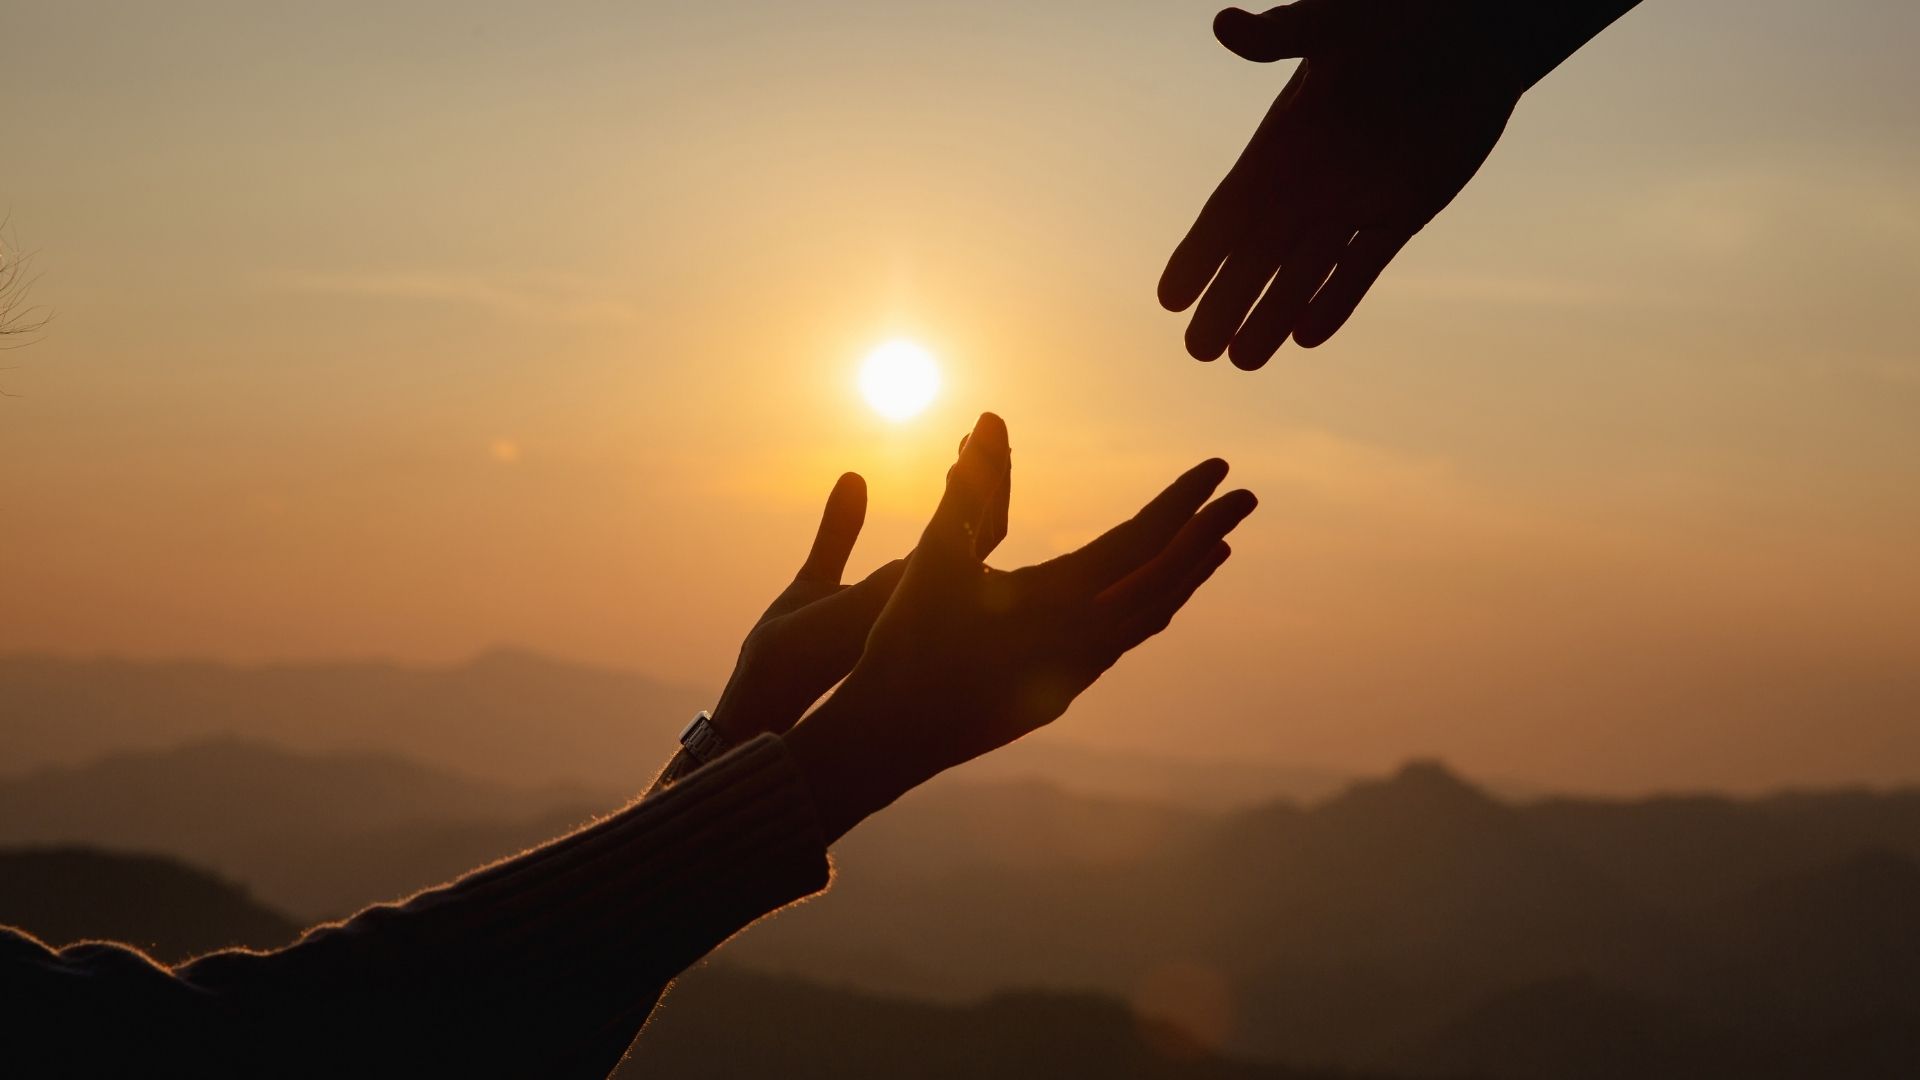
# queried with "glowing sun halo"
point(899, 379)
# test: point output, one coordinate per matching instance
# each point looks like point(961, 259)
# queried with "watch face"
point(692, 730)
point(702, 740)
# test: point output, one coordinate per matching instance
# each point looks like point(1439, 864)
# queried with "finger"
point(1158, 615)
point(839, 527)
point(1164, 574)
point(1281, 33)
point(838, 625)
point(1225, 304)
point(1306, 268)
point(1199, 254)
point(1359, 267)
point(1224, 219)
point(971, 485)
point(1134, 542)
point(1302, 28)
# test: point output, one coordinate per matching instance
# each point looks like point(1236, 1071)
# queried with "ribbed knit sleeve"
point(545, 964)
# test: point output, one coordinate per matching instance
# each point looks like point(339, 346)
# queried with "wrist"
point(850, 774)
point(739, 717)
point(1544, 33)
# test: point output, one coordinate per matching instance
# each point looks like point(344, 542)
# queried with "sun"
point(899, 379)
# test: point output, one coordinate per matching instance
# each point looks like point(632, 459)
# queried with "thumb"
point(972, 485)
point(1298, 29)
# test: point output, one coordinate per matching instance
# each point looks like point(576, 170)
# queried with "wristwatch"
point(701, 740)
point(700, 743)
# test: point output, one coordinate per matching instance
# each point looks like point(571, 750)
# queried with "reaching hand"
point(1393, 109)
point(810, 636)
point(965, 659)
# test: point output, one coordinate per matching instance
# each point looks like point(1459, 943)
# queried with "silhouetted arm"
point(547, 964)
point(543, 965)
point(1395, 106)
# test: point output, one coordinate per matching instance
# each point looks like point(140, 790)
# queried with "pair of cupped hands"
point(939, 658)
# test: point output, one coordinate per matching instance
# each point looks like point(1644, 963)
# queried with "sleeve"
point(545, 964)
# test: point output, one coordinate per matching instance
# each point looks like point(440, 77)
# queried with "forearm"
point(1547, 32)
point(544, 964)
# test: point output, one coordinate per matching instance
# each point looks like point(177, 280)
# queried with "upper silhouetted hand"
point(1377, 131)
point(1392, 111)
point(965, 659)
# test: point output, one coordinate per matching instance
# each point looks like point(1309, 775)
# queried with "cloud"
point(534, 299)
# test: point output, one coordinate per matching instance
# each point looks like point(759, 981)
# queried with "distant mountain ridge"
point(507, 715)
point(1413, 924)
point(167, 908)
point(387, 826)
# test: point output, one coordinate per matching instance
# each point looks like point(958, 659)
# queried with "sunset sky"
point(403, 330)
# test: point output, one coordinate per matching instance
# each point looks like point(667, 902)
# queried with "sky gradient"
point(407, 332)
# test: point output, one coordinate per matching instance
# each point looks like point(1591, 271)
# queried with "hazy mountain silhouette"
point(170, 909)
point(721, 1022)
point(318, 835)
point(1418, 925)
point(391, 826)
point(507, 715)
point(1413, 925)
point(1575, 1028)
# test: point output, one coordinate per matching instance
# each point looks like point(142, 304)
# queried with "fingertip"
point(1202, 345)
point(992, 429)
point(1318, 326)
point(1250, 355)
point(1261, 38)
point(1174, 292)
point(1230, 23)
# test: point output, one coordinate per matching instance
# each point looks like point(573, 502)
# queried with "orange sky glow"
point(408, 332)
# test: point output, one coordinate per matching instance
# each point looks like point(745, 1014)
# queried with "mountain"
point(1852, 923)
point(1411, 924)
point(1415, 924)
point(391, 826)
point(170, 909)
point(316, 834)
point(1209, 785)
point(1577, 1028)
point(1696, 849)
point(723, 1023)
point(508, 716)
